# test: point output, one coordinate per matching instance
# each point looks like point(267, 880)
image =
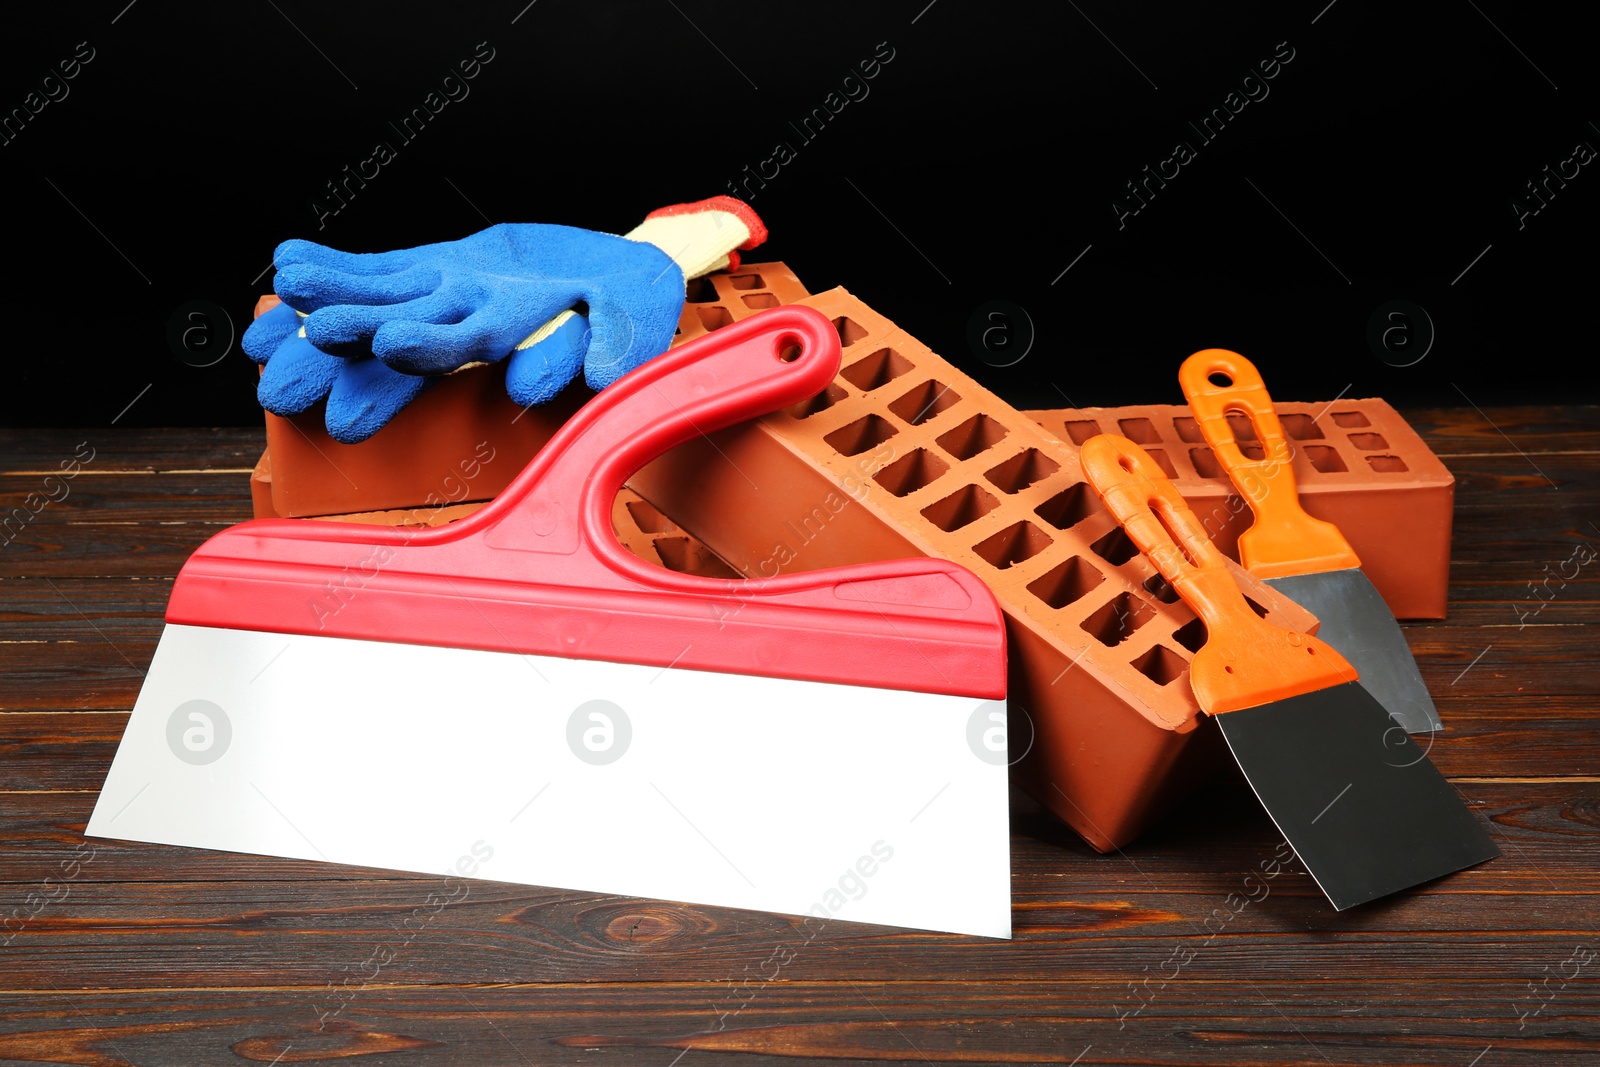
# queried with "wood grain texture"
point(117, 953)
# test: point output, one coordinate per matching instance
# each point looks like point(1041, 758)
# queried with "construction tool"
point(515, 696)
point(1355, 797)
point(1305, 558)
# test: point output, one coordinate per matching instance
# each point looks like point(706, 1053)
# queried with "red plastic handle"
point(539, 570)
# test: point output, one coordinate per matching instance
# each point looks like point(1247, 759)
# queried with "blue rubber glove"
point(363, 394)
point(431, 309)
point(509, 290)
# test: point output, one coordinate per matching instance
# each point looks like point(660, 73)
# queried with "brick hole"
point(911, 472)
point(1022, 470)
point(714, 317)
point(880, 368)
point(1188, 429)
point(1069, 507)
point(925, 401)
point(1067, 582)
point(1161, 665)
point(1161, 589)
point(1115, 548)
point(1140, 431)
point(1163, 461)
point(1191, 635)
point(850, 331)
point(691, 557)
point(1369, 442)
point(1253, 449)
point(648, 519)
point(821, 402)
point(1116, 620)
point(699, 291)
point(870, 431)
point(1017, 542)
point(1350, 420)
point(746, 281)
point(1325, 459)
point(760, 300)
point(1205, 463)
point(977, 434)
point(961, 508)
point(1082, 430)
point(1301, 427)
point(1387, 464)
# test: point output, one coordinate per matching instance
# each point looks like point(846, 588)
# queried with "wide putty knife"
point(1359, 802)
point(516, 697)
point(1305, 558)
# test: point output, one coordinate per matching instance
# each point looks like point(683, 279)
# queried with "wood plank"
point(88, 549)
point(151, 497)
point(1204, 1017)
point(1077, 914)
point(113, 449)
point(1532, 429)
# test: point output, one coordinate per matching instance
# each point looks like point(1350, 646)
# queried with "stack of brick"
point(906, 455)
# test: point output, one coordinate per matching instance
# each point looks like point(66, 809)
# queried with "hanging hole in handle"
point(1126, 463)
point(1242, 422)
point(1220, 379)
point(789, 348)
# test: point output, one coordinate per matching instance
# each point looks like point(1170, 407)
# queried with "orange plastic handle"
point(1246, 661)
point(1284, 540)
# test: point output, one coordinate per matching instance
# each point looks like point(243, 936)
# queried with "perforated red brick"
point(904, 454)
point(1358, 464)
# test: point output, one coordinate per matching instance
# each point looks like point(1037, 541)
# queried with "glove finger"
point(263, 336)
point(334, 329)
point(310, 253)
point(296, 377)
point(434, 348)
point(365, 396)
point(537, 373)
point(311, 286)
point(625, 336)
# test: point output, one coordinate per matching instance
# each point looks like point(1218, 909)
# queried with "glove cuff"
point(704, 236)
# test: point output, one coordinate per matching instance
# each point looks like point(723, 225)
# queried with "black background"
point(982, 163)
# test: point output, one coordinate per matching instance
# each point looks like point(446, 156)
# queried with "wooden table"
point(121, 953)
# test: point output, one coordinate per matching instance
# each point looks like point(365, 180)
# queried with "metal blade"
point(1357, 622)
point(839, 802)
point(1359, 802)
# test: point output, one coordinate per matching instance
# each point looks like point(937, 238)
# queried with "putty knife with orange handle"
point(1359, 802)
point(1306, 559)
